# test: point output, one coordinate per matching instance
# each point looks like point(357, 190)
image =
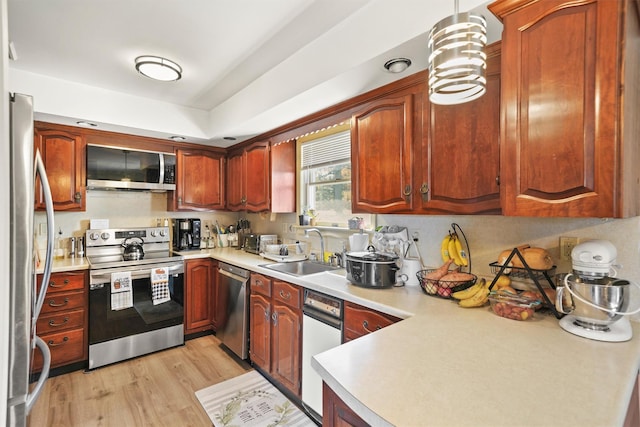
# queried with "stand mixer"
point(594, 301)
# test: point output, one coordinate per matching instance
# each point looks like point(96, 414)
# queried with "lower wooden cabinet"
point(199, 291)
point(275, 315)
point(360, 321)
point(633, 412)
point(63, 321)
point(336, 413)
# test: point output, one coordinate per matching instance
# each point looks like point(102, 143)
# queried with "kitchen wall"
point(487, 235)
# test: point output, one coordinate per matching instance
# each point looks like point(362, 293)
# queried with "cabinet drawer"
point(63, 301)
point(62, 282)
point(66, 347)
point(287, 293)
point(60, 321)
point(261, 284)
point(359, 321)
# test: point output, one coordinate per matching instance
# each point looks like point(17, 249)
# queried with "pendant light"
point(457, 61)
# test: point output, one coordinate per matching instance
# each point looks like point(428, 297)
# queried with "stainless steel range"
point(136, 293)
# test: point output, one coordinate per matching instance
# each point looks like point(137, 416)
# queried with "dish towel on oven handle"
point(121, 290)
point(160, 285)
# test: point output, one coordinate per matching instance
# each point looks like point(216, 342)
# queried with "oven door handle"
point(99, 278)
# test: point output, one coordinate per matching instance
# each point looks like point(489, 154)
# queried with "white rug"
point(250, 401)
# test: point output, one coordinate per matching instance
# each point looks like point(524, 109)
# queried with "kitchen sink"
point(300, 268)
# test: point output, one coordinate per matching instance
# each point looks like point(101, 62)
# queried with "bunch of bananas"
point(475, 296)
point(451, 249)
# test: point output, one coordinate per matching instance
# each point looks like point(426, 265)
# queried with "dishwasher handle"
point(233, 276)
point(322, 317)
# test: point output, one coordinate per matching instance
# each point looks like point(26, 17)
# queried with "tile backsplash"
point(487, 235)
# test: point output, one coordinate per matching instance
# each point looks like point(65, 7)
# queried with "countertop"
point(448, 366)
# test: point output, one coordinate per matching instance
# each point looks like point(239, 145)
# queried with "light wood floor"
point(152, 390)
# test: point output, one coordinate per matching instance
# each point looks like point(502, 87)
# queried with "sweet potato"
point(440, 272)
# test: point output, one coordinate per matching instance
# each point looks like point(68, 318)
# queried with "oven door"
point(108, 323)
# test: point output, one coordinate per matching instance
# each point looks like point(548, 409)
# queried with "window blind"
point(326, 150)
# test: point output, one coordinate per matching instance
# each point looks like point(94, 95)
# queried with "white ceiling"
point(248, 65)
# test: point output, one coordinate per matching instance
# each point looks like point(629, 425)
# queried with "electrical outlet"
point(566, 246)
point(287, 228)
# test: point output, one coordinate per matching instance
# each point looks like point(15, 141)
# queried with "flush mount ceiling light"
point(177, 138)
point(397, 65)
point(86, 124)
point(457, 61)
point(158, 68)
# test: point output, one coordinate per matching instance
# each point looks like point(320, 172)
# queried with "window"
point(325, 177)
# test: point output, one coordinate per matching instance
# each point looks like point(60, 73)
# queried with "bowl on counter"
point(442, 288)
point(511, 306)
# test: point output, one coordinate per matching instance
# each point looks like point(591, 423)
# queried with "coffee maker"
point(186, 234)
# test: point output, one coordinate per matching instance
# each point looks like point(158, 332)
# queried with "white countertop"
point(448, 366)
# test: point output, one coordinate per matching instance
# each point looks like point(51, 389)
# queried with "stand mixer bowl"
point(610, 294)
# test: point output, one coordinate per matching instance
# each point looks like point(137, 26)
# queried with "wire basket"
point(442, 288)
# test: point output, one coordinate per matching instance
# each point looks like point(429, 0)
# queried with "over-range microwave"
point(127, 169)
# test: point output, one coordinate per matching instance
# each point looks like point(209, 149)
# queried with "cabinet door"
point(63, 154)
point(220, 301)
point(258, 177)
point(336, 413)
point(235, 181)
point(283, 177)
point(560, 79)
point(382, 156)
point(200, 180)
point(260, 331)
point(286, 351)
point(360, 321)
point(463, 160)
point(199, 305)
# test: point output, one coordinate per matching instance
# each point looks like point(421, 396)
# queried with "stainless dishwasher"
point(233, 326)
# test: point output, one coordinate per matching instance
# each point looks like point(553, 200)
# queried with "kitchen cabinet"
point(633, 413)
point(409, 156)
point(63, 154)
point(460, 164)
point(360, 321)
point(248, 177)
point(382, 155)
point(199, 292)
point(200, 181)
point(275, 329)
point(336, 413)
point(569, 100)
point(63, 321)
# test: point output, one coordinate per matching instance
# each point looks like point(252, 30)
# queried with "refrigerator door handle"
point(46, 363)
point(48, 263)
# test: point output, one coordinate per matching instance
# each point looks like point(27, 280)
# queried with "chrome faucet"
point(306, 234)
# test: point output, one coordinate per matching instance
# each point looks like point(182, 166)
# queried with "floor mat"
point(250, 401)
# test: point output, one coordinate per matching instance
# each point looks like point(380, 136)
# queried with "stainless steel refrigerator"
point(25, 300)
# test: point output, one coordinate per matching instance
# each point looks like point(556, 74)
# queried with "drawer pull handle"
point(64, 283)
point(365, 326)
point(52, 323)
point(53, 344)
point(53, 304)
point(285, 296)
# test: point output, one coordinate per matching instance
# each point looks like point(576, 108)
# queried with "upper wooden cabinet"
point(570, 137)
point(461, 154)
point(262, 177)
point(382, 155)
point(248, 178)
point(63, 154)
point(200, 181)
point(410, 156)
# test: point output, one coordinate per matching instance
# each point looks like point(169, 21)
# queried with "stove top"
point(105, 248)
point(117, 260)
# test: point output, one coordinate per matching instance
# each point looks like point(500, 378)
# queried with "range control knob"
point(154, 233)
point(94, 235)
point(163, 232)
point(105, 236)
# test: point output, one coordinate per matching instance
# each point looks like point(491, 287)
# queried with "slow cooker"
point(371, 269)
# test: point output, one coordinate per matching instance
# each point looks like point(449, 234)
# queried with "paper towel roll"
point(358, 242)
